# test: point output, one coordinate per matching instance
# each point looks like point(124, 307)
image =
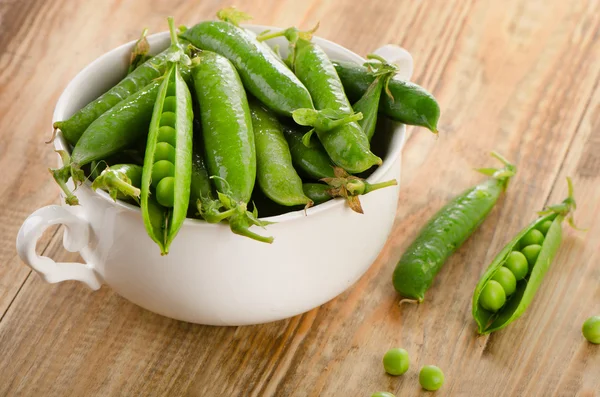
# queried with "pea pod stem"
point(384, 70)
point(139, 53)
point(63, 174)
point(346, 186)
point(240, 219)
point(233, 15)
point(567, 207)
point(212, 214)
point(120, 181)
point(357, 186)
point(292, 34)
point(368, 104)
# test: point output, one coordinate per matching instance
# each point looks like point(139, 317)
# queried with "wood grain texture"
point(520, 76)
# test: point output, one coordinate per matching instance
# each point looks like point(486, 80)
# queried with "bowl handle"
point(75, 238)
point(399, 56)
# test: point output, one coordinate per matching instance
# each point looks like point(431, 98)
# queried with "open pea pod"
point(166, 175)
point(511, 305)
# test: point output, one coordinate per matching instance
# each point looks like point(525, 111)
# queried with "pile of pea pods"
point(190, 131)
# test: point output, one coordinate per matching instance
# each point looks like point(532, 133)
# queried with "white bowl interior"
point(109, 69)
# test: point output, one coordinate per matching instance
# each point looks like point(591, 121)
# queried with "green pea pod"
point(368, 104)
point(139, 79)
point(518, 301)
point(276, 175)
point(200, 186)
point(121, 181)
point(343, 185)
point(263, 74)
point(446, 231)
point(409, 103)
point(168, 160)
point(114, 131)
point(317, 192)
point(342, 137)
point(312, 161)
point(202, 195)
point(228, 138)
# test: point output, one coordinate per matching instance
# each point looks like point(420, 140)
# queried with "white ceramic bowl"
point(212, 276)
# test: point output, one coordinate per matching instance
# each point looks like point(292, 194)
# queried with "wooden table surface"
point(517, 76)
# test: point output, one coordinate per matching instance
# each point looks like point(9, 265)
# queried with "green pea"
point(171, 90)
point(506, 279)
point(534, 236)
point(531, 252)
point(170, 104)
point(516, 262)
point(167, 134)
point(591, 329)
point(544, 227)
point(165, 192)
point(431, 378)
point(382, 394)
point(168, 118)
point(162, 169)
point(396, 361)
point(164, 151)
point(492, 297)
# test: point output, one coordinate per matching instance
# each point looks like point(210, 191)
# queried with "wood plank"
point(510, 76)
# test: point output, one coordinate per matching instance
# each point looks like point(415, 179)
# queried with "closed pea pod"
point(311, 161)
point(493, 319)
point(409, 103)
point(263, 74)
point(202, 195)
point(139, 53)
point(318, 192)
point(333, 120)
point(74, 127)
point(446, 231)
point(276, 175)
point(228, 138)
point(165, 188)
point(118, 128)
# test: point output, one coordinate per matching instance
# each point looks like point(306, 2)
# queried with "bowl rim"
point(397, 141)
